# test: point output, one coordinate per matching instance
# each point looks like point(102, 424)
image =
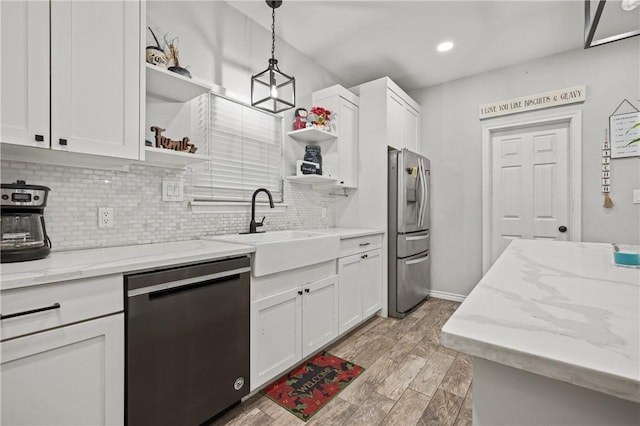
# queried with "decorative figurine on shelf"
point(155, 54)
point(300, 121)
point(173, 57)
point(184, 145)
point(320, 117)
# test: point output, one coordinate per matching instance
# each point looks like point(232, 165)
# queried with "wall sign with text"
point(571, 95)
point(623, 133)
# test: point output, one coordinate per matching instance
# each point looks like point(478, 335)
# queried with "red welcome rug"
point(308, 387)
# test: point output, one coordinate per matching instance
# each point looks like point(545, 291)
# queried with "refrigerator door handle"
point(420, 260)
point(420, 237)
point(425, 204)
point(421, 199)
point(423, 193)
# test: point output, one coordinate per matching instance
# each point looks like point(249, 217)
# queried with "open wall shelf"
point(173, 87)
point(312, 134)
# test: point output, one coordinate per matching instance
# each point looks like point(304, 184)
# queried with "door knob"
point(562, 229)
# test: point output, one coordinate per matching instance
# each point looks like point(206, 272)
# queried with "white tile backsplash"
point(140, 215)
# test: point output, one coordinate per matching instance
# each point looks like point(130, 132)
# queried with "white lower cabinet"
point(360, 287)
point(349, 272)
point(371, 267)
point(319, 314)
point(277, 335)
point(68, 375)
point(291, 325)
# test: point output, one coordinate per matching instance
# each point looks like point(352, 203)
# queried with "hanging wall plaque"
point(623, 133)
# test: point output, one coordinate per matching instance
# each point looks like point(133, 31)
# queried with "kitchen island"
point(553, 329)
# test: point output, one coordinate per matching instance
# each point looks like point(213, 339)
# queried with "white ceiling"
point(361, 40)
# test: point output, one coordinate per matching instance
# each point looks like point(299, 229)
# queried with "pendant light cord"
point(273, 33)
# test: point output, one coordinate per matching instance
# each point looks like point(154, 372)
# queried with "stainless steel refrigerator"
point(409, 255)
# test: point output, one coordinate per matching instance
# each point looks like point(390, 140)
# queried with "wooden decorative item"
point(174, 56)
point(184, 145)
point(606, 172)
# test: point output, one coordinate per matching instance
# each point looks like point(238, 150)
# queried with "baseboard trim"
point(447, 296)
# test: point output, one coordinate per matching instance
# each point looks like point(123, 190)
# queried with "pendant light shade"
point(272, 90)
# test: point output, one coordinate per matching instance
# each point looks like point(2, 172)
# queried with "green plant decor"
point(636, 139)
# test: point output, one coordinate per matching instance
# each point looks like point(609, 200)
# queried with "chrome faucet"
point(254, 225)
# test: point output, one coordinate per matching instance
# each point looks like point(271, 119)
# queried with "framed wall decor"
point(622, 133)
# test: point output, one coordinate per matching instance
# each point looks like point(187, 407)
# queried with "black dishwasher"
point(187, 342)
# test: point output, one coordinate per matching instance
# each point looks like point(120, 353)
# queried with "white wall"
point(221, 45)
point(452, 137)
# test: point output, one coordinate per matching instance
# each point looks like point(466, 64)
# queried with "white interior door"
point(530, 181)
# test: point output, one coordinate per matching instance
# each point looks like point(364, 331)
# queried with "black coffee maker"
point(24, 236)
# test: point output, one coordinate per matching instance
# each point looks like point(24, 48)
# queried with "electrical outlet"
point(105, 217)
point(324, 212)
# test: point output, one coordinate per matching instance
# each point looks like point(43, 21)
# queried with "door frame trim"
point(574, 121)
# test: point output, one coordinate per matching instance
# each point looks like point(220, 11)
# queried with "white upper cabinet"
point(342, 158)
point(24, 73)
point(410, 128)
point(95, 74)
point(84, 97)
point(395, 111)
point(399, 113)
point(403, 120)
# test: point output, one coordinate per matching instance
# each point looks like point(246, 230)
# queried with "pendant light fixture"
point(272, 90)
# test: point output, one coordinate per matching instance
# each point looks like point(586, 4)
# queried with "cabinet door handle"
point(32, 311)
point(364, 244)
point(62, 141)
point(306, 290)
point(39, 138)
point(300, 292)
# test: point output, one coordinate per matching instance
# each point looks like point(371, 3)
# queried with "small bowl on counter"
point(626, 255)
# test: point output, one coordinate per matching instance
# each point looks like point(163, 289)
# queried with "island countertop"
point(562, 310)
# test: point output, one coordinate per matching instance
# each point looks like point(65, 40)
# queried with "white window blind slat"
point(245, 147)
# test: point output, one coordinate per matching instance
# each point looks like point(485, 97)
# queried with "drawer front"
point(360, 244)
point(54, 305)
point(412, 244)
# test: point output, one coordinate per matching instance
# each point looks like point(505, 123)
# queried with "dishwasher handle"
point(187, 283)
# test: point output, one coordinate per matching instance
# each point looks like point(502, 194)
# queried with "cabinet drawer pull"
point(39, 138)
point(306, 290)
point(63, 141)
point(32, 311)
point(364, 244)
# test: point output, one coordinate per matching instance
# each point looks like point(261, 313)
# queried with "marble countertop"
point(346, 233)
point(71, 265)
point(559, 309)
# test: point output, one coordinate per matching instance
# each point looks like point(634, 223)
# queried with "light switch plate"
point(172, 190)
point(636, 196)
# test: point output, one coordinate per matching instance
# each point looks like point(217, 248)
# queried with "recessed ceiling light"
point(629, 4)
point(445, 46)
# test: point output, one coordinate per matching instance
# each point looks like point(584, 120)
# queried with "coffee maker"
point(24, 236)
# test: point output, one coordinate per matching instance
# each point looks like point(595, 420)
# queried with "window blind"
point(245, 147)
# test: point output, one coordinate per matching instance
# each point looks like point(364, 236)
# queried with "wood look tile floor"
point(410, 379)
